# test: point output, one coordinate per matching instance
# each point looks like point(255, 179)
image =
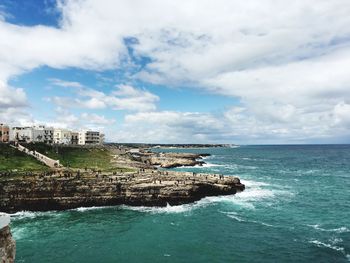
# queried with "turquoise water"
point(296, 208)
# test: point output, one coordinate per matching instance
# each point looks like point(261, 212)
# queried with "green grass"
point(79, 157)
point(12, 160)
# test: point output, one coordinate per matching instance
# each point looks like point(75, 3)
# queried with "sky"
point(194, 71)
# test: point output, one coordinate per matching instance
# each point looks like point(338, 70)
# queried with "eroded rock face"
point(7, 246)
point(170, 160)
point(147, 188)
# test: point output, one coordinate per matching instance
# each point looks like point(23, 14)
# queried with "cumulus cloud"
point(66, 119)
point(68, 84)
point(122, 97)
point(11, 97)
point(287, 66)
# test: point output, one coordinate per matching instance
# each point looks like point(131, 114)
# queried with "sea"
point(296, 208)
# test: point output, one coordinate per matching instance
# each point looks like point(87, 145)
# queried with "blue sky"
point(223, 72)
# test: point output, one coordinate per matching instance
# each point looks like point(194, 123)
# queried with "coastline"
point(68, 190)
point(130, 177)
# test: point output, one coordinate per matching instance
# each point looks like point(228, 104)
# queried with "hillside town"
point(49, 135)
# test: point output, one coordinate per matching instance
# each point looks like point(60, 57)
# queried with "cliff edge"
point(61, 190)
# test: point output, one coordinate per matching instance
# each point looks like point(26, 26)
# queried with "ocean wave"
point(234, 215)
point(322, 244)
point(250, 183)
point(246, 199)
point(205, 165)
point(236, 218)
point(84, 209)
point(212, 156)
point(342, 229)
point(30, 214)
point(19, 233)
point(234, 166)
point(169, 209)
point(211, 165)
point(255, 191)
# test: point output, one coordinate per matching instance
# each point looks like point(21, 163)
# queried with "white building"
point(62, 136)
point(90, 138)
point(43, 134)
point(21, 134)
point(32, 134)
point(74, 138)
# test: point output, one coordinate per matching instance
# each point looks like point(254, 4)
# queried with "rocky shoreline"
point(60, 190)
point(168, 160)
point(172, 160)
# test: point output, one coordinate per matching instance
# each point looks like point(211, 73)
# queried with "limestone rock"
point(7, 246)
point(146, 188)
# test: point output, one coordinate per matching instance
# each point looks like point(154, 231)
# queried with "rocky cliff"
point(66, 189)
point(7, 244)
point(170, 160)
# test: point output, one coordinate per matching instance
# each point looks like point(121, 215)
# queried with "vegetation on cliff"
point(99, 158)
point(14, 160)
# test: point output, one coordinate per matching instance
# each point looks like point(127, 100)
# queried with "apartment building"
point(50, 135)
point(21, 134)
point(90, 138)
point(74, 138)
point(32, 134)
point(62, 136)
point(43, 134)
point(4, 133)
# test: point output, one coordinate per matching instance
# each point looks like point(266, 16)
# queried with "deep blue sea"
point(296, 208)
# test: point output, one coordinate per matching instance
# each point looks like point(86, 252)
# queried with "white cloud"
point(68, 84)
point(122, 97)
point(66, 119)
point(11, 97)
point(287, 65)
point(96, 119)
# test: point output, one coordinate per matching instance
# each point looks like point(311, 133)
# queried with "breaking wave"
point(234, 215)
point(331, 246)
point(342, 229)
point(253, 193)
point(29, 214)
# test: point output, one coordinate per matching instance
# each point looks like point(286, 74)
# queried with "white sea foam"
point(83, 209)
point(234, 215)
point(18, 233)
point(234, 166)
point(342, 229)
point(207, 165)
point(236, 218)
point(246, 199)
point(30, 214)
point(322, 244)
point(162, 210)
point(250, 183)
point(208, 157)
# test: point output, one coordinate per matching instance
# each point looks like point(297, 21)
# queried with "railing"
point(40, 157)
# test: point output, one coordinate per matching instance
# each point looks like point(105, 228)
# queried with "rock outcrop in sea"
point(169, 160)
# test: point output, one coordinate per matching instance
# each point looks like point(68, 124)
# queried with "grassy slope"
point(12, 159)
point(78, 157)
